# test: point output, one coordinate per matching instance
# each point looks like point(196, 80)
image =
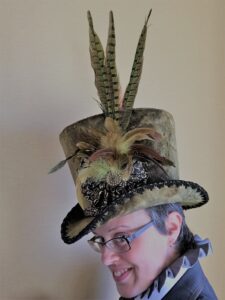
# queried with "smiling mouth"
point(121, 275)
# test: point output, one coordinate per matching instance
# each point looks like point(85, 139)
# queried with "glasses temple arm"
point(140, 231)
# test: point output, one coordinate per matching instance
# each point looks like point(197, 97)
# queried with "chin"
point(127, 292)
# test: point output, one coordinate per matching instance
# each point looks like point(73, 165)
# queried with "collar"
point(169, 276)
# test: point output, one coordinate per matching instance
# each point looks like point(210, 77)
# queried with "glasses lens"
point(118, 244)
point(96, 246)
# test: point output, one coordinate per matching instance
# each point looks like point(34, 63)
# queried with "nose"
point(108, 257)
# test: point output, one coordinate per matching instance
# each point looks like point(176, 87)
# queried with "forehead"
point(129, 221)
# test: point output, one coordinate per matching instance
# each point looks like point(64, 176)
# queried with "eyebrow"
point(118, 227)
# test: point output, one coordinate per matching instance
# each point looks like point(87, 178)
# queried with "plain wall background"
point(47, 83)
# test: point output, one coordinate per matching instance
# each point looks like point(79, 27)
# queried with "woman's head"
point(134, 270)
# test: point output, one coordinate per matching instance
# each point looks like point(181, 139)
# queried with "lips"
point(121, 275)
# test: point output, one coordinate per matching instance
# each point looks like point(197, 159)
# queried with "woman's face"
point(133, 271)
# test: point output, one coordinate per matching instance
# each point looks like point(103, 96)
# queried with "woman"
point(124, 165)
point(152, 254)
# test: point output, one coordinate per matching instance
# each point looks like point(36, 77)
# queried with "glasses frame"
point(129, 239)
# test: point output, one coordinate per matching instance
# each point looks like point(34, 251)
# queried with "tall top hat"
point(124, 159)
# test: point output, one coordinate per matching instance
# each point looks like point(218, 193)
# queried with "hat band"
point(99, 194)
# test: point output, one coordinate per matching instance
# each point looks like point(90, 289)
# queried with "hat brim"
point(188, 194)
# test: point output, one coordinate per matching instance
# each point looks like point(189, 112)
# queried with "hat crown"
point(144, 166)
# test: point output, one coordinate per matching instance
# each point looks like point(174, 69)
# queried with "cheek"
point(147, 258)
point(143, 272)
point(150, 255)
point(157, 243)
point(140, 258)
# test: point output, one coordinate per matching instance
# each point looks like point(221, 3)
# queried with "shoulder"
point(192, 286)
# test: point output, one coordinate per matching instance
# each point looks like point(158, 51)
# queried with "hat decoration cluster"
point(113, 159)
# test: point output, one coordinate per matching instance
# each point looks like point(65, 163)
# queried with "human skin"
point(133, 271)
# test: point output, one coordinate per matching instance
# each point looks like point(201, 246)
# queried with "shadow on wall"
point(85, 287)
point(86, 282)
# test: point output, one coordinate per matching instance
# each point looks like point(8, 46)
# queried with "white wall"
point(46, 83)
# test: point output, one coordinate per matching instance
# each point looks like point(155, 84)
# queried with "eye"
point(98, 239)
point(120, 240)
point(121, 235)
point(119, 244)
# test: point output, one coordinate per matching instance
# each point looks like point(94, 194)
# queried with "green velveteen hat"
point(124, 159)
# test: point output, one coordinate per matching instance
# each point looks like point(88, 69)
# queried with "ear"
point(173, 226)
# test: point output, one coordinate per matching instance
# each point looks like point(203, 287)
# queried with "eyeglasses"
point(118, 244)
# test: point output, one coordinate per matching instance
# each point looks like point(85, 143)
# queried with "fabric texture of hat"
point(124, 159)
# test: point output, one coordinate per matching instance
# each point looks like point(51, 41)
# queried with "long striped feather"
point(98, 64)
point(135, 76)
point(113, 80)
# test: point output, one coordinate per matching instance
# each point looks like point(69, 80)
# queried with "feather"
point(97, 170)
point(111, 125)
point(113, 80)
point(138, 134)
point(100, 105)
point(113, 134)
point(58, 166)
point(102, 154)
point(85, 146)
point(144, 130)
point(150, 153)
point(135, 76)
point(61, 163)
point(97, 62)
